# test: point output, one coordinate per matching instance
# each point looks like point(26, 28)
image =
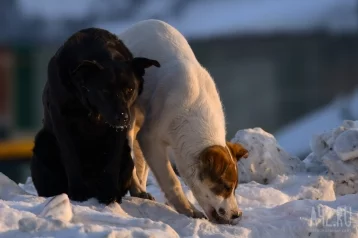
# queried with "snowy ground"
point(280, 195)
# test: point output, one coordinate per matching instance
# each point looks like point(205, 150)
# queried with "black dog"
point(82, 149)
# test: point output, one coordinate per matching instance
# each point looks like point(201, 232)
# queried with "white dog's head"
point(216, 178)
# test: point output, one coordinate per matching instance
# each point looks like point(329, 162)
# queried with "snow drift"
point(266, 157)
point(335, 154)
point(282, 196)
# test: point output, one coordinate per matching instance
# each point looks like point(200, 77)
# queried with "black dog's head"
point(104, 75)
point(110, 90)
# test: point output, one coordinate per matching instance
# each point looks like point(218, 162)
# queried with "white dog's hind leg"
point(154, 152)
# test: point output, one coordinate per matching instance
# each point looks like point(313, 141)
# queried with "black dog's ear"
point(145, 62)
point(87, 63)
point(140, 63)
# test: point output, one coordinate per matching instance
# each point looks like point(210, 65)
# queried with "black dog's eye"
point(129, 91)
point(86, 89)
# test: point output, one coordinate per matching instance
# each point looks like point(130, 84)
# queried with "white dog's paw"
point(194, 213)
point(199, 215)
point(144, 195)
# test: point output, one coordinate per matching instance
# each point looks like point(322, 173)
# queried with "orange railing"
point(14, 149)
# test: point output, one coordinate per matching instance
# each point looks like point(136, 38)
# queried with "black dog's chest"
point(94, 137)
point(96, 154)
point(91, 128)
point(94, 140)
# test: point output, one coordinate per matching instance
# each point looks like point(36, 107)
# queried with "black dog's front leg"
point(126, 171)
point(108, 187)
point(117, 177)
point(77, 189)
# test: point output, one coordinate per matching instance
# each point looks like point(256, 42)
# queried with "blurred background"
point(287, 66)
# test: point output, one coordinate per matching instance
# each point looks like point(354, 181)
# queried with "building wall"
point(263, 81)
point(268, 82)
point(6, 91)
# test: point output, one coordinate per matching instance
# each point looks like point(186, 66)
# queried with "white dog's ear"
point(237, 150)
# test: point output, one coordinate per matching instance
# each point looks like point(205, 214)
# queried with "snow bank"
point(26, 215)
point(267, 158)
point(335, 153)
point(282, 197)
point(287, 207)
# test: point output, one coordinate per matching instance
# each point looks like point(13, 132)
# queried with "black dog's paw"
point(107, 190)
point(108, 199)
point(78, 196)
point(108, 195)
point(78, 191)
point(145, 195)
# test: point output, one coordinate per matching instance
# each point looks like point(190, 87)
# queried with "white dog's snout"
point(233, 214)
point(236, 215)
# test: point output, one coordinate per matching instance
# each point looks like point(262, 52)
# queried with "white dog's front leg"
point(137, 189)
point(140, 165)
point(155, 154)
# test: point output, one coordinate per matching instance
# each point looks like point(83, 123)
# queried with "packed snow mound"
point(266, 157)
point(342, 140)
point(290, 206)
point(335, 153)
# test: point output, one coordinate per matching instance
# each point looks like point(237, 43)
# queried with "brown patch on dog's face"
point(219, 168)
point(217, 173)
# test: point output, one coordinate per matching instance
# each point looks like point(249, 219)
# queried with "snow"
point(335, 153)
point(266, 158)
point(305, 200)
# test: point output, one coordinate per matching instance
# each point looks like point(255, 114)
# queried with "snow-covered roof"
point(217, 18)
point(200, 18)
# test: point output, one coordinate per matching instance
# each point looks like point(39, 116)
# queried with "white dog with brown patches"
point(182, 112)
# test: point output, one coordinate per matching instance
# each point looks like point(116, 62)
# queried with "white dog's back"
point(159, 39)
point(180, 75)
point(170, 48)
